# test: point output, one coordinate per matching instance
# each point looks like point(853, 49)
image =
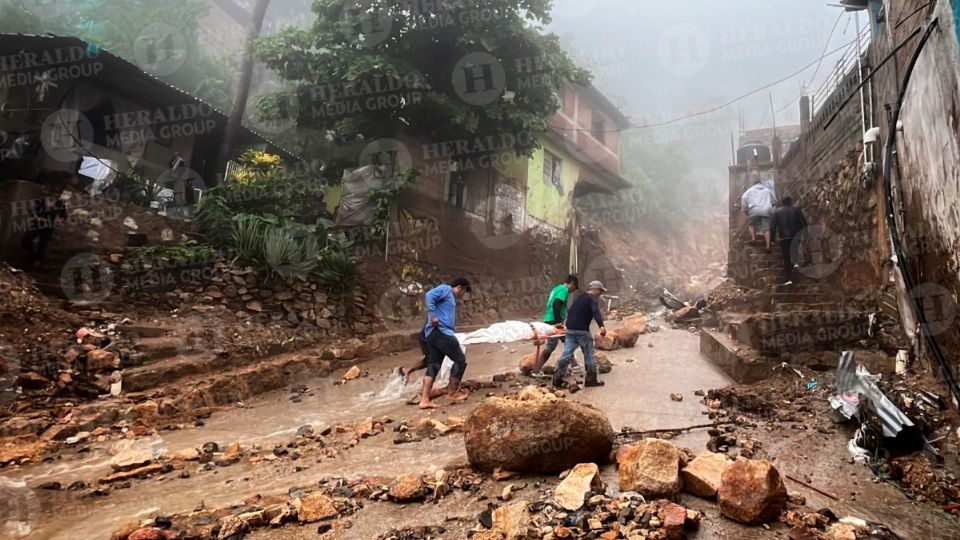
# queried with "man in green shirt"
point(555, 314)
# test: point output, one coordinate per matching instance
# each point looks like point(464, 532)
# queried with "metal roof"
point(123, 76)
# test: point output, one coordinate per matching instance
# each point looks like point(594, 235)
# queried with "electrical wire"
point(724, 105)
point(825, 45)
point(901, 260)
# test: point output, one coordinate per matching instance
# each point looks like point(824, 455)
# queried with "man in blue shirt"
point(440, 333)
point(585, 309)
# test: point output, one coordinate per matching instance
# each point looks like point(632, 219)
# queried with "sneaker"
point(788, 283)
point(559, 383)
point(539, 375)
point(575, 367)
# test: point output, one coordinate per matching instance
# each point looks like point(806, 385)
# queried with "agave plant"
point(291, 252)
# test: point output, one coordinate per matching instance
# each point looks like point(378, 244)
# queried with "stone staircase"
point(800, 324)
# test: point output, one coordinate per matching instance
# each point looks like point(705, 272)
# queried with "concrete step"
point(742, 364)
point(806, 306)
point(174, 368)
point(810, 296)
point(152, 349)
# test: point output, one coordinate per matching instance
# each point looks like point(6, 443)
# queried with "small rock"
point(316, 507)
point(570, 493)
point(408, 487)
point(130, 459)
point(676, 397)
point(752, 492)
point(351, 373)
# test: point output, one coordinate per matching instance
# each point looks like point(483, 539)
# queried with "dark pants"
point(785, 244)
point(43, 237)
point(440, 345)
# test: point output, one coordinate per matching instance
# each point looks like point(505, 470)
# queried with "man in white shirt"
point(757, 203)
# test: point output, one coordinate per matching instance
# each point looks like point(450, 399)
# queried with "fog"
point(663, 60)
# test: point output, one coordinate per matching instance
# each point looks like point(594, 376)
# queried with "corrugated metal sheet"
point(855, 386)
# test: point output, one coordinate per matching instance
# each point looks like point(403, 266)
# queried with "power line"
point(825, 45)
point(728, 103)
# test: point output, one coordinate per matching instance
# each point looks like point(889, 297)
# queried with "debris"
point(811, 486)
point(315, 507)
point(670, 301)
point(752, 492)
point(570, 493)
point(409, 487)
point(351, 373)
point(702, 476)
point(676, 397)
point(651, 468)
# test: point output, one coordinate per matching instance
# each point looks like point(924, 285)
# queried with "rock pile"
point(248, 296)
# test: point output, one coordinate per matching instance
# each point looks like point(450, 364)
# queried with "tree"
point(242, 85)
point(451, 70)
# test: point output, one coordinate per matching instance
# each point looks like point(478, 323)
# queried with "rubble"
point(651, 468)
point(316, 507)
point(752, 492)
point(702, 476)
point(584, 478)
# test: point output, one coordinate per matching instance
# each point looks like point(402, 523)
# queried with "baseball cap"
point(595, 284)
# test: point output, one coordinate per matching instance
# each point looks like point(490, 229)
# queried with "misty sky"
point(661, 60)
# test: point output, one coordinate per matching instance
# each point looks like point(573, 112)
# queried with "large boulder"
point(536, 435)
point(752, 492)
point(703, 475)
point(633, 326)
point(651, 468)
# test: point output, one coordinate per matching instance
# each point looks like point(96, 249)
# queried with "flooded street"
point(636, 395)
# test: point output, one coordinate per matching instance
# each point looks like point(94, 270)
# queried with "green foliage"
point(422, 57)
point(116, 26)
point(280, 194)
point(136, 188)
point(178, 254)
point(383, 197)
point(336, 268)
point(293, 251)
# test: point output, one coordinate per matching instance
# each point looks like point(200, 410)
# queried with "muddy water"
point(636, 395)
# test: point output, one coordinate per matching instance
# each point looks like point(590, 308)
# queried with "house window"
point(599, 130)
point(552, 170)
point(457, 189)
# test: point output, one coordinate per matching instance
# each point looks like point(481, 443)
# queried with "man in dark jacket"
point(585, 309)
point(788, 223)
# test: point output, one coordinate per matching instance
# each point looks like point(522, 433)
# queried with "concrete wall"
point(544, 202)
point(929, 181)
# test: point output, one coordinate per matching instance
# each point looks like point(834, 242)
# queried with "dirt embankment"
point(640, 259)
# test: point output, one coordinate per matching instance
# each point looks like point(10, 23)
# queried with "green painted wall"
point(332, 197)
point(544, 202)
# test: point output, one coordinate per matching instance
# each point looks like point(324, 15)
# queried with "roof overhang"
point(593, 178)
point(124, 78)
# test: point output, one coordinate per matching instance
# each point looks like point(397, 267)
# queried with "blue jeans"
point(576, 338)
